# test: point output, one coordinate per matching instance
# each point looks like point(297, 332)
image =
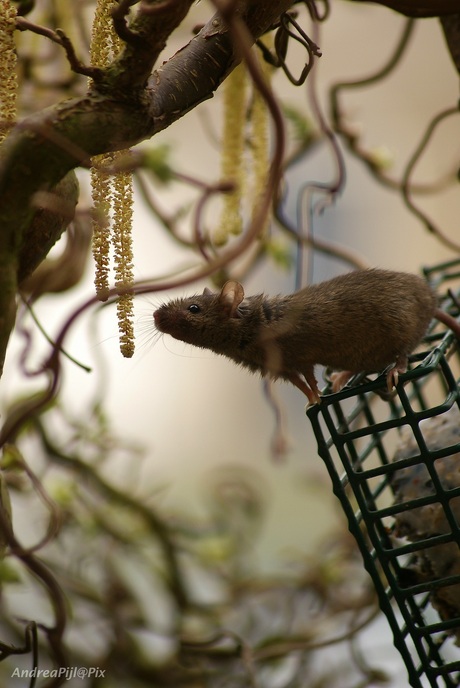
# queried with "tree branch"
point(118, 112)
point(48, 225)
point(60, 38)
point(451, 27)
point(419, 8)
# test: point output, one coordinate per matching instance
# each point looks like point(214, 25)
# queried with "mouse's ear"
point(231, 296)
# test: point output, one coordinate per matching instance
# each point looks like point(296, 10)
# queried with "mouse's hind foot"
point(399, 367)
point(339, 380)
point(309, 388)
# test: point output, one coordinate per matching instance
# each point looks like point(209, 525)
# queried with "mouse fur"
point(362, 321)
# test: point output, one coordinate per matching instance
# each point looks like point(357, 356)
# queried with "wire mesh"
point(394, 462)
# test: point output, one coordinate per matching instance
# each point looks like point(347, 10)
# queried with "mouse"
point(361, 321)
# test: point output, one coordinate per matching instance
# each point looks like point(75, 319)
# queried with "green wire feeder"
point(395, 467)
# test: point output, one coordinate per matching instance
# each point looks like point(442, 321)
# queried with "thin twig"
point(280, 440)
point(150, 8)
point(314, 14)
point(279, 649)
point(54, 633)
point(329, 190)
point(119, 14)
point(55, 519)
point(87, 472)
point(349, 134)
point(405, 182)
point(64, 41)
point(302, 38)
point(343, 253)
point(167, 220)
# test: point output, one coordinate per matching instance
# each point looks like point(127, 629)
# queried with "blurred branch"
point(406, 186)
point(419, 8)
point(55, 632)
point(348, 134)
point(88, 474)
point(63, 273)
point(451, 27)
point(121, 109)
point(53, 215)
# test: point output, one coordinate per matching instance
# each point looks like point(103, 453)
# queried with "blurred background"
point(196, 418)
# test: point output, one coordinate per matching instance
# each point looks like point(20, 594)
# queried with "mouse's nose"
point(161, 319)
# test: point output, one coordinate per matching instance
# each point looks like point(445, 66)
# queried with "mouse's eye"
point(194, 308)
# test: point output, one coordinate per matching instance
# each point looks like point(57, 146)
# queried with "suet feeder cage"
point(394, 462)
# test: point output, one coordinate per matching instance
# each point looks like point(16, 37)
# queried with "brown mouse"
point(361, 321)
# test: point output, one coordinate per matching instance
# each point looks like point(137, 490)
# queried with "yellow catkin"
point(112, 195)
point(123, 254)
point(260, 140)
point(104, 41)
point(101, 187)
point(8, 63)
point(232, 158)
point(101, 183)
